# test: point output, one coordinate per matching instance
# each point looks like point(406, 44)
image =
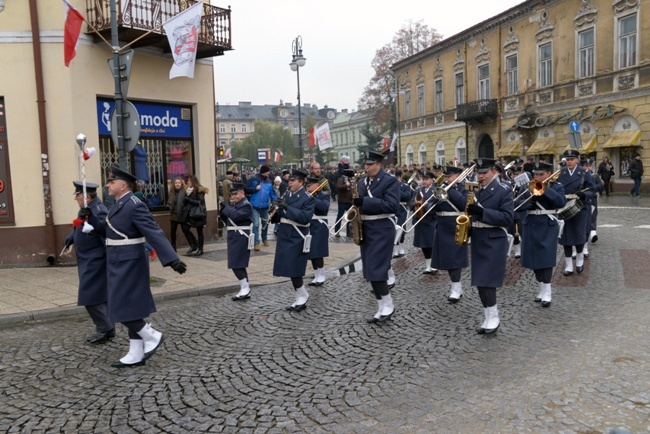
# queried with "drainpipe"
point(50, 239)
point(499, 91)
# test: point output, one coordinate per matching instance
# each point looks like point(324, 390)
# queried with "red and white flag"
point(392, 143)
point(183, 36)
point(71, 32)
point(228, 155)
point(278, 156)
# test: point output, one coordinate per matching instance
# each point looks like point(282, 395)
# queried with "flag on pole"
point(312, 137)
point(183, 35)
point(228, 155)
point(323, 136)
point(71, 32)
point(278, 156)
point(392, 143)
point(384, 143)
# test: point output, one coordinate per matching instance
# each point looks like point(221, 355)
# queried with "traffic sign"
point(126, 60)
point(131, 126)
point(574, 126)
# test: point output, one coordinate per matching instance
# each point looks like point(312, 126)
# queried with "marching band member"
point(423, 232)
point(579, 183)
point(592, 204)
point(447, 255)
point(491, 215)
point(541, 231)
point(402, 213)
point(318, 229)
point(291, 252)
point(378, 201)
point(238, 216)
point(516, 229)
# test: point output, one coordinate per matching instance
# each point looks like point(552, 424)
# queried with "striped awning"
point(512, 148)
point(622, 139)
point(589, 143)
point(544, 145)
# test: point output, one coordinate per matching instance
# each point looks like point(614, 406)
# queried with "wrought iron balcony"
point(137, 17)
point(478, 111)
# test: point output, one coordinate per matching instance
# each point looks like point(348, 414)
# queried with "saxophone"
point(463, 223)
point(353, 216)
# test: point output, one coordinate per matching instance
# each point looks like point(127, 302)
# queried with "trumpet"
point(537, 188)
point(321, 186)
point(440, 193)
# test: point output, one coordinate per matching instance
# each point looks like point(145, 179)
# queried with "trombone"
point(537, 188)
point(440, 193)
point(351, 212)
point(321, 186)
point(413, 179)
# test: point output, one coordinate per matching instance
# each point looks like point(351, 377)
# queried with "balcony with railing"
point(480, 111)
point(136, 17)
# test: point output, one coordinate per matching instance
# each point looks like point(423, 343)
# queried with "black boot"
point(198, 252)
point(193, 249)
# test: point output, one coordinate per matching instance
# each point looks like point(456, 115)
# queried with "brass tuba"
point(463, 223)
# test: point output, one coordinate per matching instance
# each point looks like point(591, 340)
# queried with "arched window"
point(409, 155)
point(461, 150)
point(422, 153)
point(440, 153)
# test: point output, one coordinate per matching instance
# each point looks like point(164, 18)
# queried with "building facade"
point(346, 133)
point(513, 85)
point(41, 117)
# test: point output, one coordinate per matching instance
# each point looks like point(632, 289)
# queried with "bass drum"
point(570, 210)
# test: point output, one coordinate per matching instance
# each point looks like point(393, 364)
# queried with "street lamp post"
point(298, 61)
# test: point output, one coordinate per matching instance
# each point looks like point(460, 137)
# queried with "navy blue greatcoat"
point(129, 290)
point(91, 256)
point(539, 237)
point(378, 235)
point(447, 255)
point(405, 193)
point(490, 245)
point(238, 214)
point(519, 214)
point(575, 229)
point(290, 261)
point(423, 232)
point(319, 230)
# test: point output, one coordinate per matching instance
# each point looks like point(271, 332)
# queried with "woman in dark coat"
point(238, 216)
point(606, 172)
point(176, 202)
point(194, 197)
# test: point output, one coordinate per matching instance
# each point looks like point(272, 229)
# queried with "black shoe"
point(454, 300)
point(391, 286)
point(490, 331)
point(241, 297)
point(297, 308)
point(594, 239)
point(568, 273)
point(517, 256)
point(111, 333)
point(546, 303)
point(372, 320)
point(192, 250)
point(198, 252)
point(537, 300)
point(315, 284)
point(119, 364)
point(586, 255)
point(100, 338)
point(385, 318)
point(579, 269)
point(481, 331)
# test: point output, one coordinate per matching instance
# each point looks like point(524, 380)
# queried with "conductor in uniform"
point(447, 255)
point(379, 195)
point(128, 224)
point(91, 261)
point(491, 215)
point(318, 229)
point(541, 229)
point(579, 188)
point(238, 216)
point(292, 250)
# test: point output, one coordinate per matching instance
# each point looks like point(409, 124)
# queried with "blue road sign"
point(574, 126)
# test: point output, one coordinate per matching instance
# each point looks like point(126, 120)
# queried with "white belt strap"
point(449, 214)
point(320, 218)
point(292, 223)
point(306, 246)
point(241, 229)
point(108, 222)
point(542, 212)
point(125, 242)
point(480, 225)
point(377, 216)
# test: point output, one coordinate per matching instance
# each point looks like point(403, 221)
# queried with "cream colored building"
point(44, 105)
point(511, 86)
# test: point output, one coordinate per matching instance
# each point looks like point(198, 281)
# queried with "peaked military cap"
point(484, 164)
point(373, 157)
point(298, 174)
point(236, 186)
point(571, 153)
point(450, 170)
point(117, 173)
point(79, 187)
point(541, 167)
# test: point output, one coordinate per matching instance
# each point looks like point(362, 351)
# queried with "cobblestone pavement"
point(580, 366)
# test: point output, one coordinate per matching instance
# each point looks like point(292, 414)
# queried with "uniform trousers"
point(380, 288)
point(454, 275)
point(487, 295)
point(427, 251)
point(568, 250)
point(544, 275)
point(318, 263)
point(297, 282)
point(134, 327)
point(99, 314)
point(240, 273)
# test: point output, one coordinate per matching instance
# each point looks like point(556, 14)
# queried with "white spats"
point(151, 337)
point(391, 277)
point(580, 260)
point(244, 288)
point(568, 268)
point(492, 318)
point(301, 296)
point(135, 354)
point(387, 307)
point(546, 292)
point(456, 291)
point(516, 248)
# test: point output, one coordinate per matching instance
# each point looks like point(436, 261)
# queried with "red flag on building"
point(312, 137)
point(384, 143)
point(278, 156)
point(71, 31)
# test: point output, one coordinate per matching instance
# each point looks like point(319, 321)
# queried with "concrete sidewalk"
point(32, 293)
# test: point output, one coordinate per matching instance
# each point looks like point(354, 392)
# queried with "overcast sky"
point(339, 40)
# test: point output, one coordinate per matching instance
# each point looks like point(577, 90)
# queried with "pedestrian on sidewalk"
point(129, 222)
point(238, 216)
point(91, 260)
point(291, 253)
point(260, 190)
point(176, 218)
point(195, 200)
point(636, 173)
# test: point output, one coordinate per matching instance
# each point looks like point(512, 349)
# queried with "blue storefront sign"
point(155, 120)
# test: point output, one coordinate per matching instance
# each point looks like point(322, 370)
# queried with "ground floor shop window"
point(625, 158)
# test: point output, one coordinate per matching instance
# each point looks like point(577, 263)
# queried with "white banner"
point(323, 136)
point(183, 36)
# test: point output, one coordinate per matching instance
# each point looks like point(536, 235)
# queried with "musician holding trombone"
point(542, 200)
point(490, 217)
point(421, 202)
point(318, 227)
point(405, 194)
point(447, 255)
point(580, 189)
